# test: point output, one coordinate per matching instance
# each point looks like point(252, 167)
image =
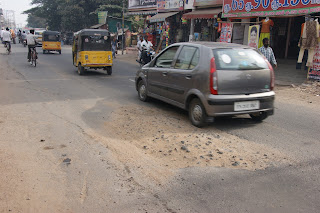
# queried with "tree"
point(36, 22)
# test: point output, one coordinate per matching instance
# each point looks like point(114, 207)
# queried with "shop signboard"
point(199, 3)
point(263, 8)
point(102, 17)
point(226, 32)
point(169, 5)
point(141, 4)
point(253, 36)
point(314, 71)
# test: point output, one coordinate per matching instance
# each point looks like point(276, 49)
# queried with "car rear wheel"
point(260, 116)
point(197, 113)
point(142, 91)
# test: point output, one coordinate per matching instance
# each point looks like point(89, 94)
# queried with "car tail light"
point(213, 77)
point(271, 75)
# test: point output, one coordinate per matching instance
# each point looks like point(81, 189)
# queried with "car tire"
point(81, 70)
point(142, 91)
point(197, 113)
point(258, 117)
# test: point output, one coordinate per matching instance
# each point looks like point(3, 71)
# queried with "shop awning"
point(161, 17)
point(203, 14)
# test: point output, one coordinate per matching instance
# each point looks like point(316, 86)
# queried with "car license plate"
point(246, 105)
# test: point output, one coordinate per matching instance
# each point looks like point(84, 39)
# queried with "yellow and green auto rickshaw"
point(92, 50)
point(51, 41)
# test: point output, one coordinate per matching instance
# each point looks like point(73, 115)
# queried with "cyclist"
point(6, 37)
point(31, 41)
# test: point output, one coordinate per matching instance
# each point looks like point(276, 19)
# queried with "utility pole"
point(122, 27)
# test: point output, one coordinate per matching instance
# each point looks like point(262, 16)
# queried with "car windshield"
point(239, 59)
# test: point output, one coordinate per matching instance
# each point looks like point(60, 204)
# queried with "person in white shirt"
point(147, 44)
point(1, 33)
point(6, 38)
point(31, 41)
point(139, 47)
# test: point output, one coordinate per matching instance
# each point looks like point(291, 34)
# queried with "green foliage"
point(73, 15)
point(36, 22)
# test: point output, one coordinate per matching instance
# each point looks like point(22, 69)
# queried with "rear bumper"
point(97, 65)
point(223, 105)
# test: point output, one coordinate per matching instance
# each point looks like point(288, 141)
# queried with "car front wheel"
point(142, 91)
point(197, 113)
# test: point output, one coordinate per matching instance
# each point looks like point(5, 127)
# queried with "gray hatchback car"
point(210, 79)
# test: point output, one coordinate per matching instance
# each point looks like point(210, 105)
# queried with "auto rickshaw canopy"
point(52, 36)
point(93, 40)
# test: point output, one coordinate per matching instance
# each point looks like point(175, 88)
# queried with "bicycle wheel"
point(34, 56)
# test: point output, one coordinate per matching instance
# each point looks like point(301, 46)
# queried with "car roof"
point(214, 45)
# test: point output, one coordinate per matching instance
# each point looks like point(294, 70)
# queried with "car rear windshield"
point(96, 43)
point(48, 37)
point(239, 59)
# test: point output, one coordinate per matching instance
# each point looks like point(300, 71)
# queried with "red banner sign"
point(249, 8)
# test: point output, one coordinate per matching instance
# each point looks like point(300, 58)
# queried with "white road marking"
point(131, 80)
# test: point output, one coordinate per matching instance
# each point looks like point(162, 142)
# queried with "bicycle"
point(34, 56)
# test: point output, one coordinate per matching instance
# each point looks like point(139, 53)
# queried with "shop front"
point(165, 28)
point(291, 26)
point(203, 19)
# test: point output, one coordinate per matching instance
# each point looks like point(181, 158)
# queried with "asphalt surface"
point(81, 101)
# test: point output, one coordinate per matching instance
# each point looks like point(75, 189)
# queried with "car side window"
point(188, 58)
point(195, 60)
point(165, 59)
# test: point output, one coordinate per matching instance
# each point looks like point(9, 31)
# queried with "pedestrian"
point(114, 47)
point(1, 33)
point(139, 47)
point(268, 52)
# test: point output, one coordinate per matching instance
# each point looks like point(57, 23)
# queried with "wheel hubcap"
point(142, 91)
point(197, 112)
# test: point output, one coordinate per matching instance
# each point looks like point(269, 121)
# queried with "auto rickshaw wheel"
point(109, 70)
point(81, 70)
point(60, 52)
point(44, 52)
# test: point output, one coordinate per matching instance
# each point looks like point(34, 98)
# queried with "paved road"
point(68, 107)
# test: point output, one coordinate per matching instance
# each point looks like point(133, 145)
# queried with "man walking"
point(268, 52)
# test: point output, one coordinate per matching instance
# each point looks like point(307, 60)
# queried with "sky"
point(18, 6)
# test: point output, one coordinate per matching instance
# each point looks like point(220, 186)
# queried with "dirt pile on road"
point(152, 138)
point(311, 87)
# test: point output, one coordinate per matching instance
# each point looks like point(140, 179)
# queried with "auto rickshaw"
point(51, 41)
point(92, 50)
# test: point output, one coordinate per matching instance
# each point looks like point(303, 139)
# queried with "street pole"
point(122, 27)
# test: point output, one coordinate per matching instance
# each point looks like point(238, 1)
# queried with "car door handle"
point(164, 73)
point(188, 77)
